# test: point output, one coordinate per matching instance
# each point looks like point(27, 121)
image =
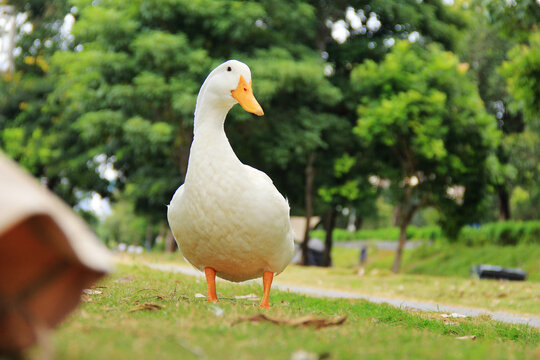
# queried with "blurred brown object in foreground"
point(48, 256)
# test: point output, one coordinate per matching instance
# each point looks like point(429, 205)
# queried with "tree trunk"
point(309, 205)
point(401, 245)
point(406, 210)
point(148, 239)
point(358, 222)
point(170, 244)
point(504, 204)
point(330, 224)
point(396, 217)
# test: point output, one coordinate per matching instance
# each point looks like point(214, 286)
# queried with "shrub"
point(496, 233)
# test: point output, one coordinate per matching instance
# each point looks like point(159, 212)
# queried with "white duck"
point(228, 218)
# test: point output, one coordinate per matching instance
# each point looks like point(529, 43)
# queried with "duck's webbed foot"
point(211, 280)
point(268, 276)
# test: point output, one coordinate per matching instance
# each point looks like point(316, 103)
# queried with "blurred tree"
point(427, 132)
point(368, 31)
point(494, 28)
point(124, 93)
point(522, 72)
point(346, 186)
point(123, 226)
point(514, 19)
point(484, 49)
point(129, 88)
point(28, 131)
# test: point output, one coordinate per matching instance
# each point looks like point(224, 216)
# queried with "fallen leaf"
point(285, 303)
point(469, 337)
point(199, 295)
point(92, 292)
point(146, 306)
point(304, 355)
point(217, 310)
point(453, 315)
point(308, 320)
point(124, 279)
point(252, 297)
point(501, 295)
point(86, 298)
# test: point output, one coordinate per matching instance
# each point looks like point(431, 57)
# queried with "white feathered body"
point(227, 215)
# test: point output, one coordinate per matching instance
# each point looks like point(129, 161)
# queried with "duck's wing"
point(176, 199)
point(265, 181)
point(258, 175)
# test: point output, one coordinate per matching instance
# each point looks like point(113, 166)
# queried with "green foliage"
point(388, 234)
point(456, 260)
point(514, 19)
point(496, 233)
point(522, 71)
point(502, 233)
point(124, 90)
point(123, 226)
point(420, 116)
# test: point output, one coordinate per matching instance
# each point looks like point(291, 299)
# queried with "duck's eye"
point(229, 68)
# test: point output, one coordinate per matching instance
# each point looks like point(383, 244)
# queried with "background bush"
point(496, 233)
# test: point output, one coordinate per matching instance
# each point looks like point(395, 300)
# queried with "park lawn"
point(114, 325)
point(517, 297)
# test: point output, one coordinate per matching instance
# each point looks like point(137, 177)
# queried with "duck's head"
point(230, 83)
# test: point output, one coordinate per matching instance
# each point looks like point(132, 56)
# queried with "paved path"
point(404, 304)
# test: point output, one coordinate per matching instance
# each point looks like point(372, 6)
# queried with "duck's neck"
point(209, 118)
point(209, 141)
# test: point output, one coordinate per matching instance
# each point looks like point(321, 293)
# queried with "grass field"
point(138, 313)
point(519, 297)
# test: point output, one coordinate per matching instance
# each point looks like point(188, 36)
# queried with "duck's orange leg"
point(267, 283)
point(211, 280)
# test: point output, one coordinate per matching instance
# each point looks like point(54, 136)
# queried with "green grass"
point(186, 327)
point(443, 259)
point(378, 280)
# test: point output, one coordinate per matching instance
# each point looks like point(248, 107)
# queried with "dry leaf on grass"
point(251, 297)
point(200, 295)
point(92, 292)
point(304, 355)
point(86, 298)
point(124, 279)
point(308, 320)
point(217, 310)
point(146, 306)
point(453, 315)
point(469, 337)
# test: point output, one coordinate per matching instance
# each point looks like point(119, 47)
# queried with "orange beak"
point(244, 95)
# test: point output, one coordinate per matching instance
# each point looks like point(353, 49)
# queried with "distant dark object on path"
point(363, 255)
point(498, 272)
